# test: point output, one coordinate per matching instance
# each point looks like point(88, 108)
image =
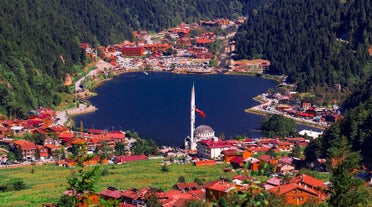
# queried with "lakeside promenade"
point(261, 109)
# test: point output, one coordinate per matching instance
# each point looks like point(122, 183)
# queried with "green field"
point(45, 184)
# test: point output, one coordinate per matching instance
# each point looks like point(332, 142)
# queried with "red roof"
point(266, 158)
point(220, 185)
point(283, 189)
point(189, 185)
point(111, 193)
point(308, 180)
point(121, 159)
point(238, 160)
point(59, 128)
point(230, 152)
point(215, 144)
point(203, 41)
point(25, 145)
point(96, 131)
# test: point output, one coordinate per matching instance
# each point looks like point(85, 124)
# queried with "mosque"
point(202, 132)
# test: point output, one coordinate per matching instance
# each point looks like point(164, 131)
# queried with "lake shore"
point(259, 110)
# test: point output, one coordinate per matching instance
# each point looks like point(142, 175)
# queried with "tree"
point(119, 149)
point(181, 179)
point(270, 152)
point(83, 181)
point(165, 168)
point(151, 199)
point(278, 126)
point(346, 190)
point(296, 151)
point(195, 203)
point(199, 181)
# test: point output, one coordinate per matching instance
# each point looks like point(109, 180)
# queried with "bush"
point(13, 186)
point(105, 172)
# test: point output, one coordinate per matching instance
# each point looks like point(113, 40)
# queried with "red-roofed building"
point(186, 187)
point(268, 159)
point(133, 51)
point(295, 194)
point(284, 146)
point(216, 189)
point(111, 194)
point(123, 159)
point(211, 148)
point(205, 162)
point(28, 149)
point(135, 196)
point(43, 151)
point(310, 183)
point(202, 42)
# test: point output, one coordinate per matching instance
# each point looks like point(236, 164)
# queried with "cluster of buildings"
point(296, 191)
point(303, 111)
point(183, 49)
point(55, 141)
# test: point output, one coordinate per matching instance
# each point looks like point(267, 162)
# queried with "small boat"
point(146, 73)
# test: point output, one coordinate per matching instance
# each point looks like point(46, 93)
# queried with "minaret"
point(192, 119)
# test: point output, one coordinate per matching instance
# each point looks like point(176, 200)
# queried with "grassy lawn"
point(47, 183)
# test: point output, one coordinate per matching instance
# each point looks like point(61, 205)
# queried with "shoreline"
point(65, 115)
point(259, 111)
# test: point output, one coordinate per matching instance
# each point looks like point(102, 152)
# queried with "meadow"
point(46, 183)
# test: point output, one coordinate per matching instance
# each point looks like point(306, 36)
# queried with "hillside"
point(40, 39)
point(316, 43)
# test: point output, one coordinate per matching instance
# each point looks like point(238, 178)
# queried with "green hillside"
point(316, 43)
point(39, 39)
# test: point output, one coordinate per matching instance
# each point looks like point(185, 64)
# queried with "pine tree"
point(346, 190)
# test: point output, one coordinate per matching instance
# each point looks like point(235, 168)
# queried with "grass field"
point(45, 184)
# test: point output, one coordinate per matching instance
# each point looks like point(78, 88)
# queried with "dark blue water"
point(157, 105)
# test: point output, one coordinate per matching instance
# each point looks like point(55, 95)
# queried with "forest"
point(315, 43)
point(39, 39)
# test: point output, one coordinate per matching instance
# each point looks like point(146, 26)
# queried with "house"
point(295, 194)
point(214, 190)
point(124, 159)
point(272, 182)
point(43, 152)
point(111, 193)
point(229, 154)
point(135, 196)
point(284, 146)
point(211, 148)
point(285, 168)
point(310, 183)
point(132, 51)
point(186, 187)
point(28, 149)
point(268, 159)
point(255, 163)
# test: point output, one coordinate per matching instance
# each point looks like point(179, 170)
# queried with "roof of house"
point(241, 177)
point(111, 193)
point(215, 144)
point(188, 185)
point(25, 145)
point(266, 158)
point(308, 180)
point(230, 152)
point(221, 185)
point(274, 181)
point(283, 189)
point(130, 158)
point(238, 160)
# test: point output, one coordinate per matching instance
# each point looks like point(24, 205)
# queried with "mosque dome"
point(204, 132)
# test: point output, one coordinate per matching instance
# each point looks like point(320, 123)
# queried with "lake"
point(157, 105)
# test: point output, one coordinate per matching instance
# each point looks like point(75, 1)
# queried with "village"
point(189, 48)
point(256, 155)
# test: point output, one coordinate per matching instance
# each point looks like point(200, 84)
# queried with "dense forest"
point(39, 39)
point(316, 43)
